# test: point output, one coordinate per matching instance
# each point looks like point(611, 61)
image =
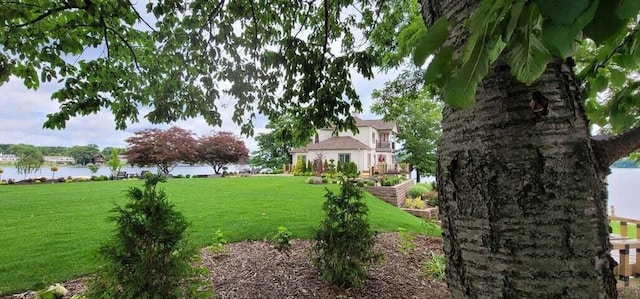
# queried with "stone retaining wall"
point(394, 195)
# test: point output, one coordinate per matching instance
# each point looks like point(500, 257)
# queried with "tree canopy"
point(178, 59)
point(162, 148)
point(29, 158)
point(275, 145)
point(418, 115)
point(221, 148)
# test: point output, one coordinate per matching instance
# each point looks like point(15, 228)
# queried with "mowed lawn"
point(50, 232)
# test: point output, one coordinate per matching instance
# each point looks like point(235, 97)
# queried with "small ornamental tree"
point(344, 243)
point(164, 149)
point(299, 168)
point(149, 256)
point(221, 148)
point(53, 168)
point(114, 163)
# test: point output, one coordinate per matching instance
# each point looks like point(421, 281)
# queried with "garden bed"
point(394, 195)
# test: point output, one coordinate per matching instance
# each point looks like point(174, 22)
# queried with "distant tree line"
point(81, 153)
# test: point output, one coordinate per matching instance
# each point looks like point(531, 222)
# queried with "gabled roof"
point(333, 143)
point(375, 123)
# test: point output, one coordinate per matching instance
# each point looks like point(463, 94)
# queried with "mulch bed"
point(257, 270)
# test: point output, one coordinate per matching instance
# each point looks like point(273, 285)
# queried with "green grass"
point(50, 232)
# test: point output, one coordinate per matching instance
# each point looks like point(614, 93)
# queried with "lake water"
point(74, 171)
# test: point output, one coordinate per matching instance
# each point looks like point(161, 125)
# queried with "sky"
point(23, 112)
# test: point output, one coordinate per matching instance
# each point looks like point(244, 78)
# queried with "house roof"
point(375, 123)
point(333, 143)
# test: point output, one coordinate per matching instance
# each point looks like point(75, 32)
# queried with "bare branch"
point(126, 43)
point(140, 17)
point(608, 149)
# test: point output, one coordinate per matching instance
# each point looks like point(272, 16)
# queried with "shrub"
point(179, 176)
point(149, 256)
point(391, 180)
point(277, 171)
point(3, 182)
point(343, 246)
point(435, 267)
point(431, 197)
point(187, 176)
point(219, 243)
point(360, 184)
point(37, 181)
point(428, 186)
point(371, 183)
point(282, 240)
point(413, 203)
point(417, 190)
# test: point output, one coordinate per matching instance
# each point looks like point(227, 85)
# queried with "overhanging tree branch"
point(608, 149)
point(53, 11)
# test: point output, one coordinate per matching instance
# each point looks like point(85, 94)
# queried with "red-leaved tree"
point(164, 149)
point(222, 148)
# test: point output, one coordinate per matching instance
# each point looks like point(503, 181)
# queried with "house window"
point(344, 158)
point(317, 139)
point(303, 158)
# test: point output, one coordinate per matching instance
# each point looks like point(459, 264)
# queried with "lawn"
point(50, 232)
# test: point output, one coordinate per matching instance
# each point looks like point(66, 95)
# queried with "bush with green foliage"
point(149, 256)
point(391, 180)
point(431, 197)
point(219, 243)
point(282, 239)
point(413, 203)
point(299, 168)
point(417, 190)
point(351, 169)
point(343, 247)
point(435, 267)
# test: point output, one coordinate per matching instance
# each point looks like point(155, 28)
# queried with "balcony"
point(385, 146)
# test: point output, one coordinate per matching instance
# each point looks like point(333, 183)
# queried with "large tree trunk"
point(522, 202)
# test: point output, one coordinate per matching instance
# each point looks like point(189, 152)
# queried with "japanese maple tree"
point(164, 149)
point(221, 148)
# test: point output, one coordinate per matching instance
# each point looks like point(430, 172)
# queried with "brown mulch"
point(257, 270)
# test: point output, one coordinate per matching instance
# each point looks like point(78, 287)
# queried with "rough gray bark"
point(522, 201)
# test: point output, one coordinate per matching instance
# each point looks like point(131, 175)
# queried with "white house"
point(373, 146)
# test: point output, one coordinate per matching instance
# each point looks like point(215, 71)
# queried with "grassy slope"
point(49, 232)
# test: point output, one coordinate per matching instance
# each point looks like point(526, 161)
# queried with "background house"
point(373, 146)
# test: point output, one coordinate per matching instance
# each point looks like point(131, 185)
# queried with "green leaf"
point(559, 37)
point(527, 54)
point(605, 23)
point(599, 84)
point(617, 77)
point(528, 57)
point(516, 11)
point(432, 40)
point(439, 70)
point(562, 11)
point(461, 88)
point(628, 9)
